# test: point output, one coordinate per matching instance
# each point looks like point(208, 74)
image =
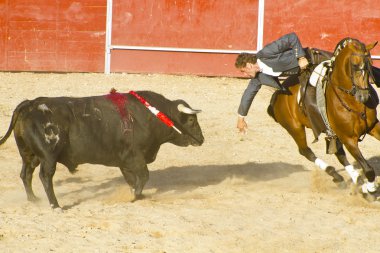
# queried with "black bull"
point(97, 130)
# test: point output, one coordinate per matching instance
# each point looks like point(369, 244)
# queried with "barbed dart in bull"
point(161, 116)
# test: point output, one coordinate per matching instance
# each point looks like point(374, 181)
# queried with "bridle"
point(364, 68)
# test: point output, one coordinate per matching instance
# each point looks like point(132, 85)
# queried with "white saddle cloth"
point(318, 73)
point(317, 76)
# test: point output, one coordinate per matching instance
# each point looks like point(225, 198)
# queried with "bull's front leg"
point(136, 174)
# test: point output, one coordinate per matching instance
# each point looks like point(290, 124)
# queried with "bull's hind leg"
point(299, 136)
point(47, 171)
point(28, 166)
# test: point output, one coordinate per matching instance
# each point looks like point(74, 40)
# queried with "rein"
point(365, 67)
point(362, 115)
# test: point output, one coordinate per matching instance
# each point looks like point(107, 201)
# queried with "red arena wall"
point(70, 36)
point(45, 35)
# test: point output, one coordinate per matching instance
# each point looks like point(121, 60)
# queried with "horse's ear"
point(370, 46)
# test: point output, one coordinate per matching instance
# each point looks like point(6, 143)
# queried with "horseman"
point(284, 54)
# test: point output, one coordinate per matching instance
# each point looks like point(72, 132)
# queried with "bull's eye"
point(187, 119)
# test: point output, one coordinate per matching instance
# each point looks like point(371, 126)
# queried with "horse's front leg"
point(375, 132)
point(369, 172)
point(342, 158)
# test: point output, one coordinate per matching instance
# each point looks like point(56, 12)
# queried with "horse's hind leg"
point(299, 137)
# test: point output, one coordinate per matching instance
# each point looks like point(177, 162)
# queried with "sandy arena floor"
point(233, 194)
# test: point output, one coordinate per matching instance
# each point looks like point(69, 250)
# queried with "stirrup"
point(332, 144)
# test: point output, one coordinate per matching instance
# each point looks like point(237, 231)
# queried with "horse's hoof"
point(341, 185)
point(354, 190)
point(359, 181)
point(370, 197)
point(337, 178)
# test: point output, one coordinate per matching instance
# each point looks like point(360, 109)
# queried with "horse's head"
point(355, 62)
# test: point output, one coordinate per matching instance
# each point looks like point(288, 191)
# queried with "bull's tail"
point(15, 115)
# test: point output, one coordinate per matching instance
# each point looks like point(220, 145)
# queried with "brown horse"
point(349, 112)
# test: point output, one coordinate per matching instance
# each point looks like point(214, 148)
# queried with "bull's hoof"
point(73, 171)
point(33, 198)
point(56, 208)
point(138, 197)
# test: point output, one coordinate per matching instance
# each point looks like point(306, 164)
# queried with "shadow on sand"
point(374, 162)
point(187, 178)
point(191, 177)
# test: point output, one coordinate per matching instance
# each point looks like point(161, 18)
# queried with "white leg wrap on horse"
point(369, 187)
point(321, 164)
point(354, 174)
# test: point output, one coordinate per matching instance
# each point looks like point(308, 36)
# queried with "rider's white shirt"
point(266, 69)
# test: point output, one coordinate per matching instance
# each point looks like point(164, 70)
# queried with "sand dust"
point(251, 193)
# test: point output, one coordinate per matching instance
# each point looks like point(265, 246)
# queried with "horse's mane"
point(344, 42)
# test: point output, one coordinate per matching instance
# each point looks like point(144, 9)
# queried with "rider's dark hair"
point(244, 58)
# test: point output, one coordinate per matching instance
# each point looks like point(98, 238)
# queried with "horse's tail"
point(270, 109)
point(15, 115)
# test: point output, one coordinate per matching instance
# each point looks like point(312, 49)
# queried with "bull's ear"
point(187, 110)
point(370, 46)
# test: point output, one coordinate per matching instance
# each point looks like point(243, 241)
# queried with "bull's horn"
point(187, 110)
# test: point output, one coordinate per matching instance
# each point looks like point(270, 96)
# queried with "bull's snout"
point(198, 141)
